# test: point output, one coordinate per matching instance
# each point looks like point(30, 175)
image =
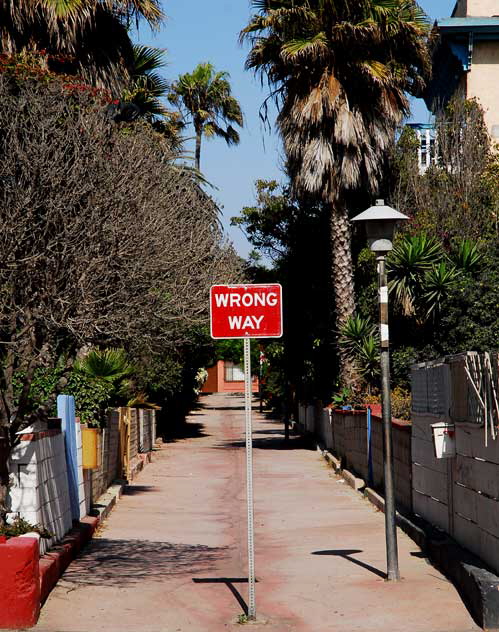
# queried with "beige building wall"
point(481, 8)
point(476, 8)
point(483, 82)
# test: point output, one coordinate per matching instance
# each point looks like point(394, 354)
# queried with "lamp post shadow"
point(347, 555)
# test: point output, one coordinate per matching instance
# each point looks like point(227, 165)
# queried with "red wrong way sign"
point(246, 311)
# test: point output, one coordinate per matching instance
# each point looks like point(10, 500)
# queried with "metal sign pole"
point(249, 480)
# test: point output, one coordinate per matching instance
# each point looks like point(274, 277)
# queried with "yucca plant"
point(439, 282)
point(467, 256)
point(408, 262)
point(354, 331)
point(360, 340)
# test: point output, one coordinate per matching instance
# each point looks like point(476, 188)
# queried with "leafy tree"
point(294, 237)
point(339, 72)
point(205, 96)
point(458, 196)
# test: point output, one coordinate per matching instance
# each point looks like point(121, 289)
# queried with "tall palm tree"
point(84, 37)
point(339, 71)
point(205, 96)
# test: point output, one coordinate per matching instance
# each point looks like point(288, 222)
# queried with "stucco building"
point(466, 59)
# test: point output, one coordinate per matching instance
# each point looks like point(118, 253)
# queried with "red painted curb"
point(54, 563)
point(20, 592)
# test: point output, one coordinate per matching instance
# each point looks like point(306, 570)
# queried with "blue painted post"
point(369, 449)
point(66, 412)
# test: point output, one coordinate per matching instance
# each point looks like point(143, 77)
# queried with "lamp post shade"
point(380, 221)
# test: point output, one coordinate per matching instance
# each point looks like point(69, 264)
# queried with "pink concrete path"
point(172, 555)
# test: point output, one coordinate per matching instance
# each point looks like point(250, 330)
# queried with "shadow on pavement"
point(185, 430)
point(229, 582)
point(127, 562)
point(346, 554)
point(132, 490)
point(273, 443)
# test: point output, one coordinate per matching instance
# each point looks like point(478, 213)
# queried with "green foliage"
point(470, 315)
point(109, 365)
point(402, 358)
point(342, 398)
point(359, 337)
point(466, 256)
point(92, 397)
point(439, 282)
point(20, 526)
point(408, 264)
point(458, 196)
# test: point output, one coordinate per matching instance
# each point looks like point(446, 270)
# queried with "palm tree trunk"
point(343, 284)
point(198, 147)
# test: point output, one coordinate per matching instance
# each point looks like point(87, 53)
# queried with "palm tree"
point(205, 96)
point(88, 38)
point(146, 90)
point(339, 71)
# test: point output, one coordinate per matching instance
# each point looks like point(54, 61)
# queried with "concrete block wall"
point(39, 483)
point(459, 494)
point(430, 475)
point(345, 434)
point(355, 442)
point(402, 461)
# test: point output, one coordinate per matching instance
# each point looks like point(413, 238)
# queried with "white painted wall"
point(39, 486)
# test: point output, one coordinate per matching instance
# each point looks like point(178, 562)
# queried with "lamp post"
point(380, 223)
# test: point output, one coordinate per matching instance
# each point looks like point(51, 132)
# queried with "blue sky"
point(197, 31)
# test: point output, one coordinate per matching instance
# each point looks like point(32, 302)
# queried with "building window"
point(233, 372)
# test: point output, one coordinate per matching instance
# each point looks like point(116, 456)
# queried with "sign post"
point(247, 311)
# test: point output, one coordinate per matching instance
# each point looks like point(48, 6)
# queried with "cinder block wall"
point(459, 494)
point(39, 483)
point(345, 434)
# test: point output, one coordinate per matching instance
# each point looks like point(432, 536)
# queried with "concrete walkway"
point(172, 555)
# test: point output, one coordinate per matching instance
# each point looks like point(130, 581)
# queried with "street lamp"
point(380, 223)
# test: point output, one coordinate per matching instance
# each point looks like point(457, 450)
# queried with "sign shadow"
point(229, 582)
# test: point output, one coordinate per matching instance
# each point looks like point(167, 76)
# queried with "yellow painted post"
point(90, 448)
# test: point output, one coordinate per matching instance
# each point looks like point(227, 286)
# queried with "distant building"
point(226, 377)
point(425, 133)
point(465, 60)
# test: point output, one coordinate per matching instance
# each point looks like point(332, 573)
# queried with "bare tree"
point(104, 239)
